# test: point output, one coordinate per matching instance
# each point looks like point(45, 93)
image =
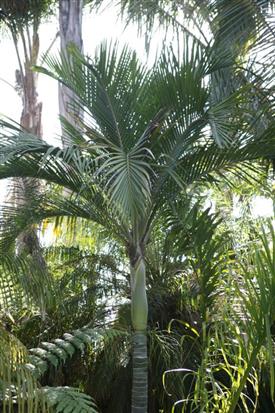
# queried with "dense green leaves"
point(17, 12)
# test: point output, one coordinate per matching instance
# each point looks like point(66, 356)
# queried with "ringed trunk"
point(139, 323)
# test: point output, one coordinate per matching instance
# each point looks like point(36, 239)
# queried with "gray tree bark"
point(27, 189)
point(70, 27)
point(30, 120)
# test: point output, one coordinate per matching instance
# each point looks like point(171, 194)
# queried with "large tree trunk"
point(70, 28)
point(27, 189)
point(26, 83)
point(139, 322)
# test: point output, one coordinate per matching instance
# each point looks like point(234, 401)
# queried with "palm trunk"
point(139, 322)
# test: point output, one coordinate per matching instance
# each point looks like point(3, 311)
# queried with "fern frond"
point(69, 399)
point(59, 350)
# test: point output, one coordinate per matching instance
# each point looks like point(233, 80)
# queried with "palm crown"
point(146, 135)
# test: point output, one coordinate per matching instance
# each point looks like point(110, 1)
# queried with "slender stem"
point(250, 364)
point(26, 55)
point(29, 40)
point(49, 48)
point(22, 73)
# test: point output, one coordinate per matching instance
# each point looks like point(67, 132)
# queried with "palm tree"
point(145, 139)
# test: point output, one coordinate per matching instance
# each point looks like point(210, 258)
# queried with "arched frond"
point(24, 284)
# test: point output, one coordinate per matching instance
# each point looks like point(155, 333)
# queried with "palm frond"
point(18, 387)
point(24, 284)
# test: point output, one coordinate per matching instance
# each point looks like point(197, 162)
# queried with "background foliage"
point(65, 336)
